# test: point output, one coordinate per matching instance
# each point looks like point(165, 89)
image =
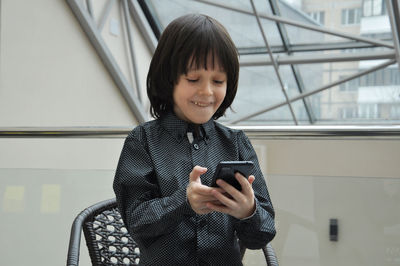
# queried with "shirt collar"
point(178, 128)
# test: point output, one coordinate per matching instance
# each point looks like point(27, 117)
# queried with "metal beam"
point(90, 8)
point(315, 58)
point(394, 16)
point(301, 96)
point(108, 60)
point(315, 47)
point(281, 27)
point(253, 132)
point(106, 12)
point(143, 25)
point(304, 26)
point(326, 46)
point(127, 20)
point(321, 132)
point(271, 56)
point(296, 73)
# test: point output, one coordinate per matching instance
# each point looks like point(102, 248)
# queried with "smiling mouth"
point(202, 104)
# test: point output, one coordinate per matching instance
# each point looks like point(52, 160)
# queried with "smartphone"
point(226, 170)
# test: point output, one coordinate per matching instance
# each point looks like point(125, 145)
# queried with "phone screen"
point(226, 170)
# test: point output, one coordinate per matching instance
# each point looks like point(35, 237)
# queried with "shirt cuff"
point(255, 210)
point(182, 201)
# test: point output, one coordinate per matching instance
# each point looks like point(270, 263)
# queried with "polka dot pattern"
point(150, 186)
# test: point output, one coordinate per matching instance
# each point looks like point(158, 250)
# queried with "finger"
point(196, 173)
point(202, 189)
point(221, 190)
point(229, 189)
point(216, 202)
point(251, 179)
point(245, 183)
point(225, 200)
point(218, 208)
point(204, 198)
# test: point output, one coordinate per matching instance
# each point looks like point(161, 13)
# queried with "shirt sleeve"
point(145, 213)
point(259, 229)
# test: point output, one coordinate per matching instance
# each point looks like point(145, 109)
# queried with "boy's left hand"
point(239, 204)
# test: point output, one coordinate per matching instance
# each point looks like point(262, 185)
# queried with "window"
point(351, 16)
point(395, 111)
point(368, 111)
point(260, 86)
point(351, 85)
point(394, 76)
point(318, 16)
point(374, 8)
point(383, 77)
point(348, 112)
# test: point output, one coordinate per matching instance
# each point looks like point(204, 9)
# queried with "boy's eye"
point(192, 80)
point(219, 81)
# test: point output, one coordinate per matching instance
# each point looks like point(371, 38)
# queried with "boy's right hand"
point(197, 194)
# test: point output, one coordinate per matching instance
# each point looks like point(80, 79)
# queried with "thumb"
point(196, 173)
point(251, 179)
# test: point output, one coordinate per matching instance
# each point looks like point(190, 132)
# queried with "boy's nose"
point(206, 89)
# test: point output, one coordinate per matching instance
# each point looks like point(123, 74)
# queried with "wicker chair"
point(109, 242)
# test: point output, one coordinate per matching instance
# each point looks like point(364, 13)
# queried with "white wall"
point(50, 74)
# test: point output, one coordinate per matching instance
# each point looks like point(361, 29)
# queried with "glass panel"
point(344, 12)
point(367, 8)
point(258, 88)
point(292, 10)
point(244, 5)
point(377, 7)
point(305, 217)
point(243, 28)
point(358, 15)
point(300, 112)
point(38, 208)
point(300, 36)
point(313, 75)
point(289, 81)
point(370, 97)
point(322, 17)
point(341, 103)
point(271, 33)
point(263, 7)
point(351, 18)
point(279, 116)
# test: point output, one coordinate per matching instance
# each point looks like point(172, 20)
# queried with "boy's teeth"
point(199, 104)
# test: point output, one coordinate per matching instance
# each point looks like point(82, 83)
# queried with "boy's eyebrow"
point(220, 70)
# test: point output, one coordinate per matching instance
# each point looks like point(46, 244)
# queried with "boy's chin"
point(200, 120)
point(196, 117)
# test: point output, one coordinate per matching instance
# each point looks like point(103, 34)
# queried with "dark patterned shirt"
point(150, 186)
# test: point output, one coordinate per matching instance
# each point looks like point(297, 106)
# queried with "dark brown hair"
point(185, 42)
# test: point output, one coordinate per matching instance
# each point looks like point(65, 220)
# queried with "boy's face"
point(199, 93)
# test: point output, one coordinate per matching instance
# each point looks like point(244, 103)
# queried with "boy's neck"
point(195, 129)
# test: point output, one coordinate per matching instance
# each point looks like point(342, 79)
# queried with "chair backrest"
point(109, 242)
point(107, 238)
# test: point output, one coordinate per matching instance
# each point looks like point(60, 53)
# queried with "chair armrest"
point(270, 255)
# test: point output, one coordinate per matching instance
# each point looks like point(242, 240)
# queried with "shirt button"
point(196, 146)
point(203, 223)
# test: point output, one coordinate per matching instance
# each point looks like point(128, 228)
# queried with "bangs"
point(205, 47)
point(203, 60)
